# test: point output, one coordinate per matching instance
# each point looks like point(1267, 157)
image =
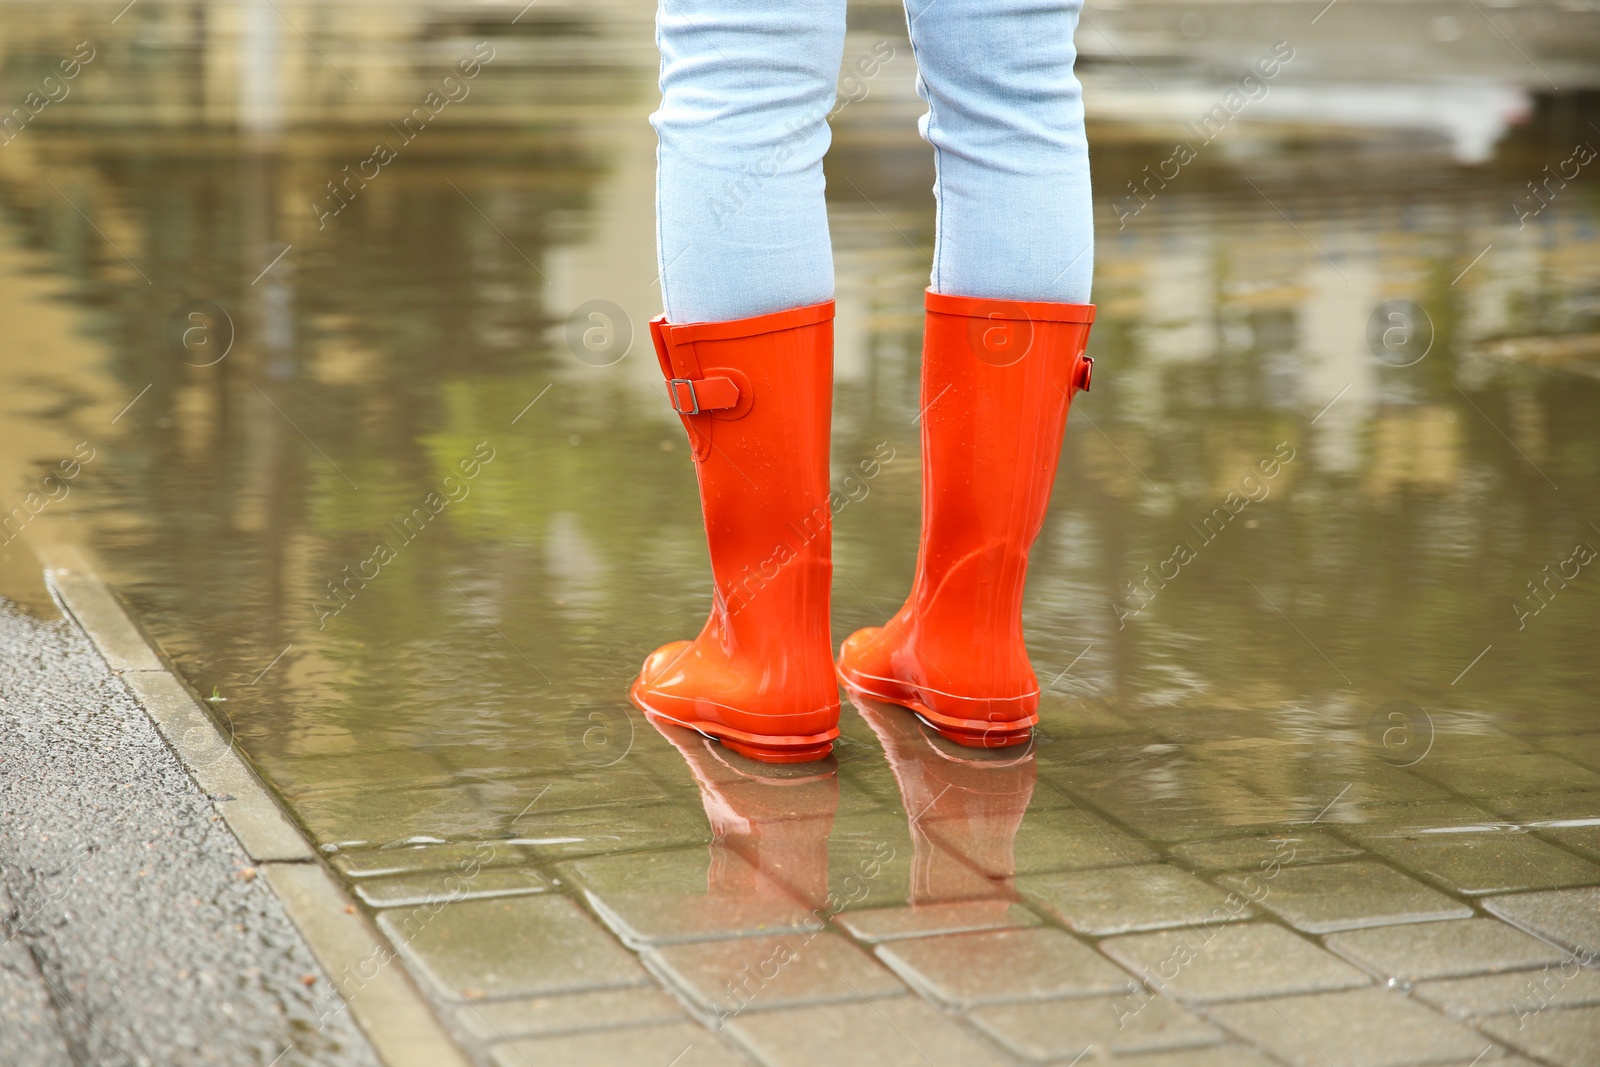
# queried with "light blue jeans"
point(747, 86)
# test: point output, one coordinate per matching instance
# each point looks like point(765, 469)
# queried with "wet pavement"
point(133, 928)
point(387, 473)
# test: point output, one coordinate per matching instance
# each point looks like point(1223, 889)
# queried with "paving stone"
point(1124, 899)
point(498, 1020)
point(1579, 748)
point(603, 831)
point(1544, 808)
point(1583, 839)
point(1569, 917)
point(1492, 862)
point(1233, 962)
point(1561, 986)
point(1567, 1036)
point(367, 817)
point(1062, 1029)
point(1463, 739)
point(356, 772)
point(409, 859)
point(1334, 793)
point(653, 898)
point(909, 866)
point(1348, 896)
point(1456, 813)
point(726, 978)
point(1166, 800)
point(672, 1045)
point(408, 889)
point(1357, 1028)
point(967, 916)
point(1066, 753)
point(522, 802)
point(1185, 723)
point(1384, 786)
point(514, 946)
point(1215, 1056)
point(1512, 774)
point(1451, 949)
point(903, 1032)
point(515, 756)
point(1061, 839)
point(1259, 851)
point(964, 970)
point(1068, 715)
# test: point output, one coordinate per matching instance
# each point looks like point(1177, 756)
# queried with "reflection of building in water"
point(184, 65)
point(1416, 446)
point(1237, 311)
point(1288, 280)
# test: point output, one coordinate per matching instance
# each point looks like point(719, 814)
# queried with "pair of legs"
point(746, 347)
point(747, 88)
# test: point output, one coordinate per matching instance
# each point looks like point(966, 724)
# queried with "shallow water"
point(1319, 566)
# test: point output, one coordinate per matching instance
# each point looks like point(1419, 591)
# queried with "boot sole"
point(800, 748)
point(972, 733)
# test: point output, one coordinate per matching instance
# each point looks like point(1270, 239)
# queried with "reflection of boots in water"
point(777, 818)
point(962, 800)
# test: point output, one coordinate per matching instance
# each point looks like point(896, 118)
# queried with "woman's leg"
point(746, 347)
point(1005, 118)
point(746, 88)
point(1002, 355)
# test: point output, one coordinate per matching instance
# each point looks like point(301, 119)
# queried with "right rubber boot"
point(756, 398)
point(997, 379)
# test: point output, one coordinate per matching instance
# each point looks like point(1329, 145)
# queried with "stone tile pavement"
point(1092, 899)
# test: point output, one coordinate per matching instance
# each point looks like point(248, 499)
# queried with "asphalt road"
point(134, 930)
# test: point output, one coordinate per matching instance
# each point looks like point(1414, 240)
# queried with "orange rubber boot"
point(756, 397)
point(997, 379)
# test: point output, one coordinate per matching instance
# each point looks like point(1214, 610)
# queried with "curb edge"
point(391, 1011)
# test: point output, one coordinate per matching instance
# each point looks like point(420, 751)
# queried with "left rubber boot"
point(756, 398)
point(997, 379)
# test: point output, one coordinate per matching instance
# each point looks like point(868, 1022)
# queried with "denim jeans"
point(747, 86)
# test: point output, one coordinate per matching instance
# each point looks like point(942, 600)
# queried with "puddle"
point(387, 473)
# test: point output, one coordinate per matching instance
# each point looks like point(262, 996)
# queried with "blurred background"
point(271, 271)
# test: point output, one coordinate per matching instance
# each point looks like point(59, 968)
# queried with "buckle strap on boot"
point(691, 396)
point(690, 390)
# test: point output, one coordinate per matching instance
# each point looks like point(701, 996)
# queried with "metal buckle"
point(672, 387)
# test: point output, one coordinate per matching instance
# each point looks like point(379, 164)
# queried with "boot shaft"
point(756, 396)
point(997, 382)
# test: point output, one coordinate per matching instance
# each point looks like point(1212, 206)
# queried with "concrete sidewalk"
point(134, 927)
